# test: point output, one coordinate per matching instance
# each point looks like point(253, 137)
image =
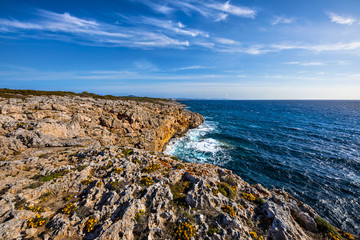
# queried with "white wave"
point(195, 146)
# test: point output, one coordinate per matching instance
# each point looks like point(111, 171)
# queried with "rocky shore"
point(81, 166)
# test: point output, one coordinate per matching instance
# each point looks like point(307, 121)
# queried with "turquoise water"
point(309, 148)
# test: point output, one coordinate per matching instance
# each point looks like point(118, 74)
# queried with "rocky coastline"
point(83, 166)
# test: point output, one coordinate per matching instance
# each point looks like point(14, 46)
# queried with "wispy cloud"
point(111, 75)
point(176, 27)
point(161, 8)
point(279, 19)
point(341, 62)
point(251, 49)
point(257, 49)
point(137, 33)
point(226, 41)
point(336, 18)
point(221, 17)
point(191, 67)
point(232, 9)
point(144, 64)
point(91, 32)
point(340, 46)
point(306, 64)
point(312, 63)
point(216, 10)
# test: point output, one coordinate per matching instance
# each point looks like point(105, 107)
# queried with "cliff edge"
point(88, 167)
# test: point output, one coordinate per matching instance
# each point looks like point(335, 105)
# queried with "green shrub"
point(179, 191)
point(81, 167)
point(107, 166)
point(136, 161)
point(325, 227)
point(50, 177)
point(231, 181)
point(175, 158)
point(260, 200)
point(179, 166)
point(34, 185)
point(226, 190)
point(127, 152)
point(212, 230)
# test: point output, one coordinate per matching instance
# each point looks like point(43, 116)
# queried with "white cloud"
point(285, 20)
point(145, 65)
point(226, 41)
point(312, 63)
point(65, 27)
point(216, 10)
point(318, 48)
point(342, 62)
point(175, 27)
point(252, 49)
point(180, 25)
point(164, 9)
point(221, 17)
point(340, 19)
point(191, 68)
point(257, 49)
point(306, 63)
point(233, 10)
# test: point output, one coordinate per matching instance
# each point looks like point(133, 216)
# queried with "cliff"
point(63, 121)
point(80, 167)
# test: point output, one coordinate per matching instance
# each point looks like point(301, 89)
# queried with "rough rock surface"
point(76, 168)
point(57, 121)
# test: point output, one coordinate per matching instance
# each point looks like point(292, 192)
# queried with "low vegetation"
point(229, 210)
point(179, 191)
point(19, 93)
point(226, 190)
point(327, 229)
point(37, 221)
point(146, 181)
point(54, 175)
point(90, 224)
point(152, 168)
point(184, 231)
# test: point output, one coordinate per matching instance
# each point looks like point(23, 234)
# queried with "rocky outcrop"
point(61, 121)
point(73, 168)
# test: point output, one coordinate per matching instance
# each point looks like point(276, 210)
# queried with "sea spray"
point(198, 146)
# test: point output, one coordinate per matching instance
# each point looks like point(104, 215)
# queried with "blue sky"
point(253, 49)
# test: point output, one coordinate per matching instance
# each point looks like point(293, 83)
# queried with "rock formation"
point(85, 168)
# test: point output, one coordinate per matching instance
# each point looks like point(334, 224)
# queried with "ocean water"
point(309, 148)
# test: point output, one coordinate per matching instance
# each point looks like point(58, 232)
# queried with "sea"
point(308, 148)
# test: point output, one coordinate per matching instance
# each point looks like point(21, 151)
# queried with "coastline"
point(122, 189)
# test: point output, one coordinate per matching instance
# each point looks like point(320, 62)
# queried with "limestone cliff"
point(60, 121)
point(91, 168)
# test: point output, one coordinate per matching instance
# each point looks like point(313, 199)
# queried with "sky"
point(208, 49)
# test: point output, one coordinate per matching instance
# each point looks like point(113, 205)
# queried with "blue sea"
point(309, 148)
